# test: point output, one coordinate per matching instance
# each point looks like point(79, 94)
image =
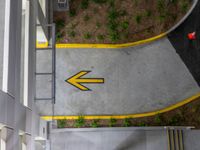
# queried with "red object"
point(192, 36)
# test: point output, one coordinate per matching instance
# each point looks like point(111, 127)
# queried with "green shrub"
point(184, 7)
point(114, 36)
point(112, 122)
point(59, 36)
point(61, 123)
point(72, 12)
point(84, 4)
point(148, 13)
point(111, 3)
point(72, 33)
point(80, 122)
point(87, 35)
point(60, 24)
point(127, 122)
point(99, 1)
point(175, 120)
point(138, 19)
point(95, 123)
point(125, 25)
point(159, 119)
point(161, 5)
point(112, 14)
point(112, 26)
point(100, 37)
point(142, 124)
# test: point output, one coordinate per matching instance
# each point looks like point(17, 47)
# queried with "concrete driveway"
point(137, 79)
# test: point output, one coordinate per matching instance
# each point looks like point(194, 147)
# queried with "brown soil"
point(151, 21)
point(187, 115)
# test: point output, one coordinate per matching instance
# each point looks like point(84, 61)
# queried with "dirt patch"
point(187, 115)
point(117, 21)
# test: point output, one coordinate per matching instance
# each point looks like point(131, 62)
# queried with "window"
point(24, 52)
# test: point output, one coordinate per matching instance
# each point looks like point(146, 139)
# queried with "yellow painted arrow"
point(77, 81)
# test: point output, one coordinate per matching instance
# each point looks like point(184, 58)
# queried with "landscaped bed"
point(187, 115)
point(117, 21)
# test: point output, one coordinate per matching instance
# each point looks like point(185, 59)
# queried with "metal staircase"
point(175, 139)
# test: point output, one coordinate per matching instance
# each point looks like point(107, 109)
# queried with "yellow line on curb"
point(147, 114)
point(79, 45)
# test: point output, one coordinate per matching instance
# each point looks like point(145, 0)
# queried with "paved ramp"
point(137, 79)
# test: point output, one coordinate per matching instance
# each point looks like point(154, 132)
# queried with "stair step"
point(175, 139)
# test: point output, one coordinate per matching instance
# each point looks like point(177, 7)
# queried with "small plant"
point(159, 119)
point(125, 25)
point(112, 26)
point(98, 25)
point(127, 122)
point(184, 7)
point(100, 37)
point(72, 33)
point(60, 24)
point(112, 122)
point(113, 14)
point(72, 12)
point(61, 123)
point(59, 36)
point(86, 18)
point(99, 1)
point(138, 19)
point(114, 36)
point(142, 124)
point(87, 36)
point(161, 5)
point(175, 120)
point(111, 3)
point(95, 123)
point(84, 4)
point(80, 122)
point(148, 13)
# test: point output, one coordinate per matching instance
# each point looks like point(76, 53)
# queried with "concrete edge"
point(139, 115)
point(118, 129)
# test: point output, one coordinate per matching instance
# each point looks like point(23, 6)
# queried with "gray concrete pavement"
point(137, 79)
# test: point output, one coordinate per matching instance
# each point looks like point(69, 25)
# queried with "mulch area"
point(187, 115)
point(136, 20)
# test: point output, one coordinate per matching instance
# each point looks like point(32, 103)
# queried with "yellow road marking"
point(147, 114)
point(76, 80)
point(79, 45)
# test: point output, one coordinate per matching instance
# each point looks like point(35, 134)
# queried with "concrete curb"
point(147, 114)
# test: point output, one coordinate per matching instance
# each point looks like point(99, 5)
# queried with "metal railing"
point(53, 72)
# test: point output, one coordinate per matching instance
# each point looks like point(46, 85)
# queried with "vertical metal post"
point(53, 62)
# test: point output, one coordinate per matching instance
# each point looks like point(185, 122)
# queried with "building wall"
point(13, 114)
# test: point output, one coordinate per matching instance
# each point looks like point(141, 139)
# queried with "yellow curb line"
point(147, 114)
point(78, 45)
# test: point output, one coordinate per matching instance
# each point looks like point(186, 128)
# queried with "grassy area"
point(187, 115)
point(117, 21)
